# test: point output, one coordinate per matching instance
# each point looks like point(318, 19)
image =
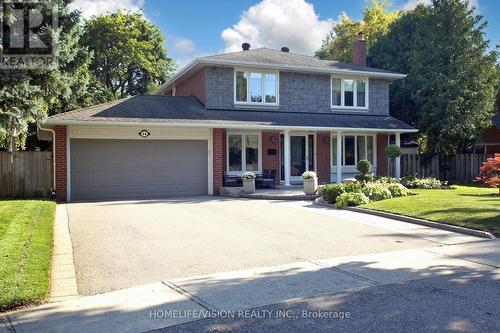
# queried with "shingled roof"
point(187, 111)
point(265, 55)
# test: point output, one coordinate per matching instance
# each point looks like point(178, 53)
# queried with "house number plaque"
point(144, 133)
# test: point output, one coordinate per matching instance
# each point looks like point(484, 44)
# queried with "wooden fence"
point(461, 168)
point(26, 174)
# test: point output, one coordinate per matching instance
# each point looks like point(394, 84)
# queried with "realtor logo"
point(26, 33)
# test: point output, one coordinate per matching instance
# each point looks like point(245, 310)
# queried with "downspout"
point(53, 154)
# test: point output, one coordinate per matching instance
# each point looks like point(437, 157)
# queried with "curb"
point(448, 227)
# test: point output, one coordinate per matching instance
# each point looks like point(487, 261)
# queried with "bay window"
point(354, 149)
point(243, 153)
point(351, 93)
point(259, 88)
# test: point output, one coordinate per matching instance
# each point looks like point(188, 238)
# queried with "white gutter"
point(308, 69)
point(228, 126)
point(53, 153)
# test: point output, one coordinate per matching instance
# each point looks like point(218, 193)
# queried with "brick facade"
point(323, 156)
point(382, 162)
point(271, 162)
point(193, 86)
point(61, 162)
point(359, 51)
point(219, 158)
point(492, 136)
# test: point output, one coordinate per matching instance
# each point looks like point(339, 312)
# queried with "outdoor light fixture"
point(273, 139)
point(325, 139)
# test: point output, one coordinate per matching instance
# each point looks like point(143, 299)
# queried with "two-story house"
point(253, 110)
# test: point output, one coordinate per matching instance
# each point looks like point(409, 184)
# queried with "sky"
point(197, 28)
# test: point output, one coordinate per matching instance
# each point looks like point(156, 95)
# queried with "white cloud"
point(183, 45)
point(411, 4)
point(277, 23)
point(97, 7)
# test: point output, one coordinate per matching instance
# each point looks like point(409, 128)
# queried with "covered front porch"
point(286, 154)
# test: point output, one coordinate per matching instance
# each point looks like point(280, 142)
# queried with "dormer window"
point(255, 87)
point(349, 93)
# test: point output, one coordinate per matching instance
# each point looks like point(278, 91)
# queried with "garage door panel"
point(102, 169)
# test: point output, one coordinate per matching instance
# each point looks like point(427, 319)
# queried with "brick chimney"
point(359, 51)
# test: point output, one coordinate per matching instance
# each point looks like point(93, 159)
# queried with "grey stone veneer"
point(298, 92)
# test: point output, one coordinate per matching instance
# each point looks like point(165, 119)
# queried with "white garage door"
point(129, 169)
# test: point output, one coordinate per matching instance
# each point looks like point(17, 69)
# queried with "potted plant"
point(248, 182)
point(392, 152)
point(310, 181)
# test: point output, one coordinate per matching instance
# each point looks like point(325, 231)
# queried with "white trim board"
point(209, 125)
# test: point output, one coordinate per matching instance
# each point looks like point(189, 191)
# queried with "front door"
point(301, 156)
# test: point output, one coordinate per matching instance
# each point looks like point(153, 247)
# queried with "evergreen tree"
point(452, 78)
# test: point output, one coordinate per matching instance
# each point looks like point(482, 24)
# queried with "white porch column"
point(398, 159)
point(339, 157)
point(287, 157)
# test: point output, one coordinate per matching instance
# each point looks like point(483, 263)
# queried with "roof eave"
point(56, 122)
point(307, 69)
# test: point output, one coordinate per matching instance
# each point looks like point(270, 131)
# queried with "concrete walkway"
point(63, 278)
point(183, 300)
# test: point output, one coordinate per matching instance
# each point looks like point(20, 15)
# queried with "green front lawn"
point(25, 251)
point(466, 206)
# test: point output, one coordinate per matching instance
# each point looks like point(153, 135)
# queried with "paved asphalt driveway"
point(123, 244)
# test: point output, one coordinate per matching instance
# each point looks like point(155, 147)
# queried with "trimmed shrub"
point(364, 166)
point(392, 151)
point(397, 190)
point(351, 199)
point(330, 192)
point(376, 192)
point(364, 178)
point(352, 187)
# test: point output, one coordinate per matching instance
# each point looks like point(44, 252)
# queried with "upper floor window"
point(351, 93)
point(256, 87)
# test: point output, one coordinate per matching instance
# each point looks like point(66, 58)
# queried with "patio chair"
point(269, 179)
point(259, 179)
point(230, 181)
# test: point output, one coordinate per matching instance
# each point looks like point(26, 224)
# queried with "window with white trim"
point(354, 149)
point(351, 93)
point(243, 153)
point(252, 87)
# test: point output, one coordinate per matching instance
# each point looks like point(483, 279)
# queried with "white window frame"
point(355, 93)
point(263, 87)
point(243, 134)
point(356, 135)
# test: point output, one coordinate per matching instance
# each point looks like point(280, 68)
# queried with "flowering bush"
point(423, 183)
point(489, 173)
point(397, 190)
point(248, 175)
point(309, 175)
point(351, 199)
point(376, 192)
point(387, 180)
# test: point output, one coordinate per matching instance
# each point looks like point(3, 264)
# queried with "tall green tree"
point(452, 78)
point(27, 95)
point(130, 56)
point(377, 18)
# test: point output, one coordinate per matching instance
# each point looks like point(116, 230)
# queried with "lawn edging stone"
point(448, 227)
